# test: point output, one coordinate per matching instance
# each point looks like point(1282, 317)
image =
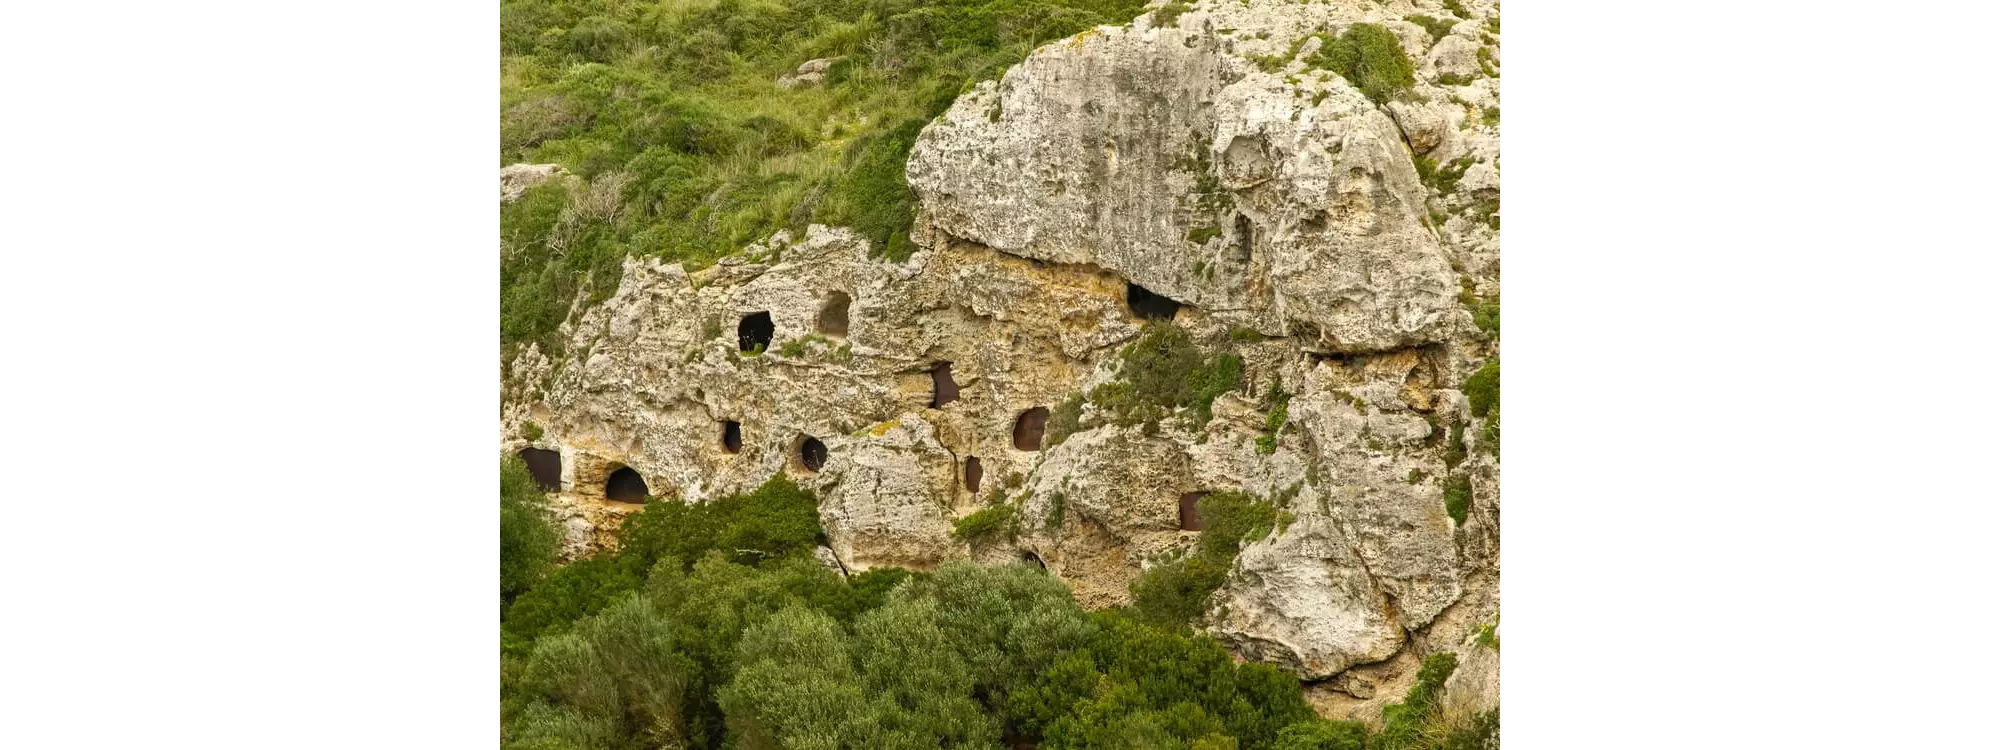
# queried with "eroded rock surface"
point(1201, 161)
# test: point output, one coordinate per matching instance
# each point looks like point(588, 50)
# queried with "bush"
point(1369, 57)
point(1175, 593)
point(986, 523)
point(1457, 498)
point(1438, 28)
point(528, 535)
point(1482, 389)
point(1164, 371)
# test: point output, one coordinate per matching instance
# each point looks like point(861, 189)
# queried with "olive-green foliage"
point(531, 431)
point(1457, 498)
point(1369, 57)
point(778, 520)
point(1323, 735)
point(1403, 723)
point(1482, 389)
point(528, 536)
point(1136, 682)
point(1162, 371)
point(1278, 404)
point(1438, 28)
point(986, 522)
point(1486, 315)
point(685, 146)
point(1443, 179)
point(1064, 420)
point(1174, 593)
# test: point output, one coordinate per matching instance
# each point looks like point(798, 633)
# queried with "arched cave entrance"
point(944, 389)
point(1148, 305)
point(1191, 511)
point(833, 315)
point(972, 474)
point(812, 453)
point(1028, 429)
point(754, 333)
point(732, 436)
point(1030, 558)
point(625, 486)
point(546, 466)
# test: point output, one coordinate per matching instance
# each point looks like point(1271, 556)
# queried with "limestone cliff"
point(1196, 157)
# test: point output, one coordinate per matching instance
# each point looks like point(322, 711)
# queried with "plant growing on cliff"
point(1482, 389)
point(1457, 498)
point(987, 523)
point(1176, 592)
point(1369, 57)
point(1164, 371)
point(528, 535)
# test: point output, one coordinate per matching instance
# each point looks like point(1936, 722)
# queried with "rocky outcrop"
point(1202, 161)
point(516, 179)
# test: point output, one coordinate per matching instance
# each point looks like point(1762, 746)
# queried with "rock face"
point(1201, 161)
point(515, 179)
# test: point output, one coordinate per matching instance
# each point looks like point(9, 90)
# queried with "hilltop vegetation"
point(685, 145)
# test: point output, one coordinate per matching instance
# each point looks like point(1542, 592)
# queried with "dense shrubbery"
point(1164, 371)
point(685, 145)
point(757, 646)
point(1369, 57)
point(1175, 593)
point(528, 537)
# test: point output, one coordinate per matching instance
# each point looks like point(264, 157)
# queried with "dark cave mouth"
point(812, 454)
point(625, 486)
point(754, 332)
point(546, 466)
point(1149, 306)
point(1030, 427)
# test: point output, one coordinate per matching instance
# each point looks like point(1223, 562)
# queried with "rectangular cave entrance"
point(833, 315)
point(754, 332)
point(1029, 427)
point(1191, 511)
point(972, 474)
point(546, 466)
point(732, 436)
point(1149, 306)
point(944, 389)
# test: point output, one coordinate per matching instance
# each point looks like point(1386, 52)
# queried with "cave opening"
point(754, 332)
point(833, 315)
point(944, 389)
point(812, 453)
point(1149, 306)
point(732, 436)
point(1030, 558)
point(1191, 511)
point(972, 474)
point(625, 486)
point(1242, 239)
point(546, 466)
point(1029, 427)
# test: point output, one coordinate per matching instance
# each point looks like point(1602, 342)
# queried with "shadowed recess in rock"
point(972, 474)
point(546, 466)
point(1028, 428)
point(625, 486)
point(754, 333)
point(1030, 558)
point(944, 389)
point(812, 453)
point(1148, 305)
point(1243, 238)
point(833, 315)
point(732, 436)
point(1191, 511)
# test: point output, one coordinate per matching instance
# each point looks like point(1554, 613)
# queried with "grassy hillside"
point(688, 148)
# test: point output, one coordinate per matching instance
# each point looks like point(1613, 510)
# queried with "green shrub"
point(1487, 317)
point(985, 523)
point(1438, 28)
point(1403, 723)
point(1164, 371)
point(1176, 592)
point(1457, 498)
point(1369, 57)
point(531, 431)
point(528, 535)
point(1323, 735)
point(1482, 389)
point(1064, 420)
point(1167, 14)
